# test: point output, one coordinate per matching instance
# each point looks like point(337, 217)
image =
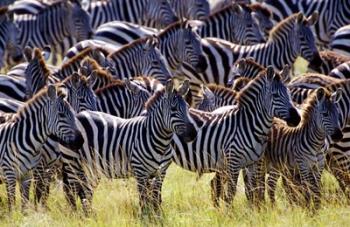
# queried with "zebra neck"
point(156, 129)
point(32, 125)
point(211, 26)
point(168, 47)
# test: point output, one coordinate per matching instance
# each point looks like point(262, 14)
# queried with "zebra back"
point(157, 14)
point(342, 71)
point(340, 41)
point(140, 57)
point(330, 60)
point(192, 9)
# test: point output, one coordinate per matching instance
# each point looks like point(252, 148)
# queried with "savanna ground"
point(186, 202)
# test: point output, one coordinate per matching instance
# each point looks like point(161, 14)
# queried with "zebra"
point(6, 3)
point(338, 162)
point(330, 60)
point(66, 19)
point(151, 13)
point(221, 55)
point(144, 57)
point(193, 9)
point(334, 14)
point(227, 141)
point(341, 71)
point(292, 152)
point(46, 114)
point(233, 23)
point(340, 41)
point(9, 46)
point(178, 43)
point(167, 114)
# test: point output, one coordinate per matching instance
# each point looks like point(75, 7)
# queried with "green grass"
point(186, 202)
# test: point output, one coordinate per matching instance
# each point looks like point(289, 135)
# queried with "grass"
point(186, 202)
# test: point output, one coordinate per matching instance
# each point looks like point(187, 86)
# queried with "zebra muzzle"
point(294, 118)
point(337, 135)
point(187, 133)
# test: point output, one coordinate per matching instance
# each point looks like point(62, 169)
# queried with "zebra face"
point(328, 113)
point(308, 46)
point(263, 17)
point(198, 9)
point(208, 101)
point(11, 40)
point(81, 22)
point(248, 32)
point(79, 92)
point(190, 48)
point(176, 112)
point(281, 105)
point(61, 120)
point(160, 12)
point(154, 64)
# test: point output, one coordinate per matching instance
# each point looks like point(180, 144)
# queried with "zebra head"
point(36, 72)
point(153, 63)
point(197, 9)
point(245, 29)
point(281, 105)
point(9, 39)
point(175, 111)
point(208, 100)
point(308, 48)
point(328, 114)
point(158, 13)
point(263, 17)
point(79, 91)
point(61, 123)
point(189, 46)
point(80, 22)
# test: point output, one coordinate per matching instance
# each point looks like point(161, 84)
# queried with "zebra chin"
point(337, 135)
point(294, 118)
point(73, 143)
point(187, 133)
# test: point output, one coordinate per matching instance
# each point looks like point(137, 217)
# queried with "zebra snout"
point(316, 61)
point(337, 135)
point(202, 64)
point(294, 118)
point(187, 133)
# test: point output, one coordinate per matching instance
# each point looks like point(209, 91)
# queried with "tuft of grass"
point(186, 202)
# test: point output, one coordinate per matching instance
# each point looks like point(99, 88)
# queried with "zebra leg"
point(157, 192)
point(288, 188)
point(217, 188)
point(315, 180)
point(248, 185)
point(258, 170)
point(24, 190)
point(10, 179)
point(233, 173)
point(143, 187)
point(42, 180)
point(67, 187)
point(272, 183)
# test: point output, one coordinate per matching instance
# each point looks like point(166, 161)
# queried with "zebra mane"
point(259, 7)
point(115, 84)
point(39, 56)
point(137, 42)
point(290, 21)
point(219, 89)
point(333, 57)
point(42, 94)
point(151, 102)
point(77, 58)
point(252, 86)
point(100, 72)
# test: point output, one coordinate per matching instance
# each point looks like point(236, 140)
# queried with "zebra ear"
point(311, 20)
point(75, 79)
point(85, 4)
point(132, 87)
point(46, 53)
point(52, 92)
point(320, 94)
point(300, 17)
point(270, 72)
point(285, 74)
point(28, 53)
point(183, 89)
point(337, 95)
point(84, 71)
point(240, 83)
point(169, 87)
point(236, 8)
point(207, 93)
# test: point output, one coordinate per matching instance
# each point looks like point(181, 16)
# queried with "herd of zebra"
point(204, 84)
